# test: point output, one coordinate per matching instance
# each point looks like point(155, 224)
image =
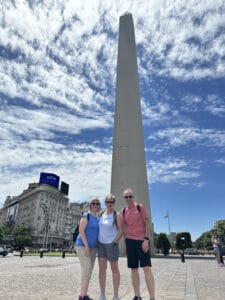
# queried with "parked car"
point(192, 251)
point(3, 251)
point(43, 250)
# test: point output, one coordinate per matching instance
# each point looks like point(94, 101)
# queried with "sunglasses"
point(130, 197)
point(112, 202)
point(95, 203)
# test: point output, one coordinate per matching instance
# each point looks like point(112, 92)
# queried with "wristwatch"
point(146, 238)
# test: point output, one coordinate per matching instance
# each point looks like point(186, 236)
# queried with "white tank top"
point(107, 230)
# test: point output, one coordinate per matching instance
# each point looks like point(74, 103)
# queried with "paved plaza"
point(57, 278)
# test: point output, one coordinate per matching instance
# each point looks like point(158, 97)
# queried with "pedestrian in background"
point(110, 232)
point(217, 250)
point(137, 231)
point(86, 245)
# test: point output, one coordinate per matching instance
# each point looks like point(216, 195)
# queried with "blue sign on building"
point(50, 179)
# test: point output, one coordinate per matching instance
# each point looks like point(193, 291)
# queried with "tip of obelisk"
point(127, 13)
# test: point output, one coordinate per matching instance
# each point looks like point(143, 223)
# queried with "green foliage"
point(204, 240)
point(183, 240)
point(221, 230)
point(19, 235)
point(163, 243)
point(1, 233)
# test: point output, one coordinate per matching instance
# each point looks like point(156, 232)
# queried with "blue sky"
point(57, 91)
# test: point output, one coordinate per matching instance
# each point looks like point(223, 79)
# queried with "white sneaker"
point(116, 298)
point(102, 297)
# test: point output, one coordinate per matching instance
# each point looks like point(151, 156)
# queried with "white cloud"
point(183, 40)
point(85, 167)
point(175, 137)
point(176, 171)
point(27, 124)
point(58, 66)
point(212, 104)
point(221, 161)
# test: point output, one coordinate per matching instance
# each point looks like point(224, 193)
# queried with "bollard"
point(41, 254)
point(182, 257)
point(21, 253)
point(63, 254)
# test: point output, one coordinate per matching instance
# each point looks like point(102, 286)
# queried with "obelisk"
point(128, 161)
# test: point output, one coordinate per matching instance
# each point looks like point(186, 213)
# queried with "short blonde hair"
point(110, 196)
point(128, 191)
point(95, 199)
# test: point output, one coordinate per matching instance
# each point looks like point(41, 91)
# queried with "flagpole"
point(169, 222)
point(168, 218)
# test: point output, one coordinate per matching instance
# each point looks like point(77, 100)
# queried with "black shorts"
point(136, 256)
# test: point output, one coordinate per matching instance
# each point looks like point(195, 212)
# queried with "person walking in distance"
point(137, 231)
point(86, 245)
point(217, 250)
point(110, 232)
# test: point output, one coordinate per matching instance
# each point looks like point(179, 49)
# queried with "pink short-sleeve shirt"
point(134, 222)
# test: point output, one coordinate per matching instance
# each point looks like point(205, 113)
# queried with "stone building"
point(46, 211)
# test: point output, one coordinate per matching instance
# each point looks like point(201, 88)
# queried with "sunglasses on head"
point(130, 197)
point(95, 203)
point(110, 201)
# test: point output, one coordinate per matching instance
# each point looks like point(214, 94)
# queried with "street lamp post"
point(216, 226)
point(168, 218)
point(46, 214)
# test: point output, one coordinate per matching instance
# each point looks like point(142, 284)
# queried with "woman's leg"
point(115, 277)
point(218, 258)
point(86, 270)
point(102, 274)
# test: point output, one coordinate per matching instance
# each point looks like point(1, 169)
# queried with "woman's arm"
point(120, 228)
point(82, 227)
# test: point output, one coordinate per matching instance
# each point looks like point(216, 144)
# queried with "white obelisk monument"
point(128, 162)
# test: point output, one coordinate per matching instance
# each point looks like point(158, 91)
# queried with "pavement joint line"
point(191, 290)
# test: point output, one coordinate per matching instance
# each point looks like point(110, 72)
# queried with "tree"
point(1, 233)
point(21, 236)
point(204, 241)
point(221, 230)
point(163, 244)
point(183, 240)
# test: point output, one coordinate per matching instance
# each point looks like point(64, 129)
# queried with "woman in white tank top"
point(110, 232)
point(108, 229)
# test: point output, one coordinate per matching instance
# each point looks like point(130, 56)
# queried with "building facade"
point(46, 211)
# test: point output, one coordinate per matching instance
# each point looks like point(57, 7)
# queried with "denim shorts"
point(109, 251)
point(216, 251)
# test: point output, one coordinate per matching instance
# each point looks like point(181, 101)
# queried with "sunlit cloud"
point(176, 171)
point(57, 87)
point(175, 137)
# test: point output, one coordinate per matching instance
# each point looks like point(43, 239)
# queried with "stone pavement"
point(57, 278)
